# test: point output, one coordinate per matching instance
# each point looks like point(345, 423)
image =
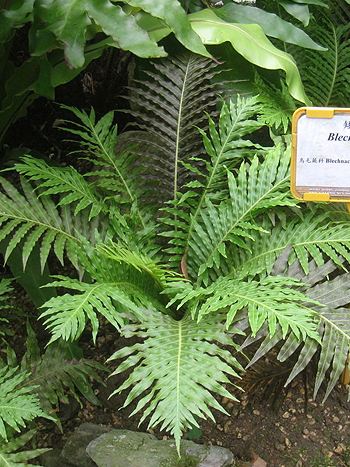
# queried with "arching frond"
point(60, 372)
point(28, 219)
point(65, 181)
point(168, 105)
point(277, 302)
point(333, 326)
point(226, 144)
point(327, 85)
point(116, 174)
point(171, 393)
point(314, 236)
point(257, 187)
point(10, 456)
point(66, 315)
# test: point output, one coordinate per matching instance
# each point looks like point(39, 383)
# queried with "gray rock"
point(74, 451)
point(124, 448)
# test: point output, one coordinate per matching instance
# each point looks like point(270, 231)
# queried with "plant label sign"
point(320, 169)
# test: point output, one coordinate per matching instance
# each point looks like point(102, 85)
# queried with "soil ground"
point(285, 428)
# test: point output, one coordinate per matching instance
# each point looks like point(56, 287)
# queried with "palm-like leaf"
point(11, 457)
point(176, 394)
point(169, 105)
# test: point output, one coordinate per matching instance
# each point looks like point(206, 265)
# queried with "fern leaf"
point(257, 187)
point(116, 175)
point(28, 219)
point(136, 260)
point(276, 105)
point(60, 372)
point(314, 236)
point(66, 315)
point(64, 181)
point(175, 394)
point(11, 457)
point(277, 301)
point(168, 105)
point(326, 85)
point(333, 327)
point(17, 403)
point(225, 146)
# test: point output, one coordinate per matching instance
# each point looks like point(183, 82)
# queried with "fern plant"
point(186, 281)
point(327, 84)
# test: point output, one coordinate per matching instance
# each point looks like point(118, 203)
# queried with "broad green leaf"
point(300, 12)
point(16, 13)
point(68, 20)
point(272, 24)
point(250, 41)
point(175, 17)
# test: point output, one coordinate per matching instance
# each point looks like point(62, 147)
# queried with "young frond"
point(116, 175)
point(136, 260)
point(327, 84)
point(65, 181)
point(276, 105)
point(28, 219)
point(17, 403)
point(276, 301)
point(313, 236)
point(168, 105)
point(175, 394)
point(257, 186)
point(10, 456)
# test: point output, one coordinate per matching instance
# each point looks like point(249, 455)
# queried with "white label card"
point(323, 155)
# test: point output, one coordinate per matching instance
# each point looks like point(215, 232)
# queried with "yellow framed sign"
point(320, 167)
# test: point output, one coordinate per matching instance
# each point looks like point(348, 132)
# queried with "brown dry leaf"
point(258, 462)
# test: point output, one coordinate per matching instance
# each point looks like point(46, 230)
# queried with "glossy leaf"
point(171, 12)
point(272, 24)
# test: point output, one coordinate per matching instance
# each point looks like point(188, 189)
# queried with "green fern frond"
point(276, 301)
point(333, 327)
point(138, 261)
point(66, 315)
point(326, 74)
point(314, 236)
point(5, 290)
point(17, 403)
point(59, 372)
point(276, 105)
point(168, 105)
point(28, 219)
point(11, 457)
point(116, 175)
point(64, 181)
point(257, 187)
point(176, 395)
